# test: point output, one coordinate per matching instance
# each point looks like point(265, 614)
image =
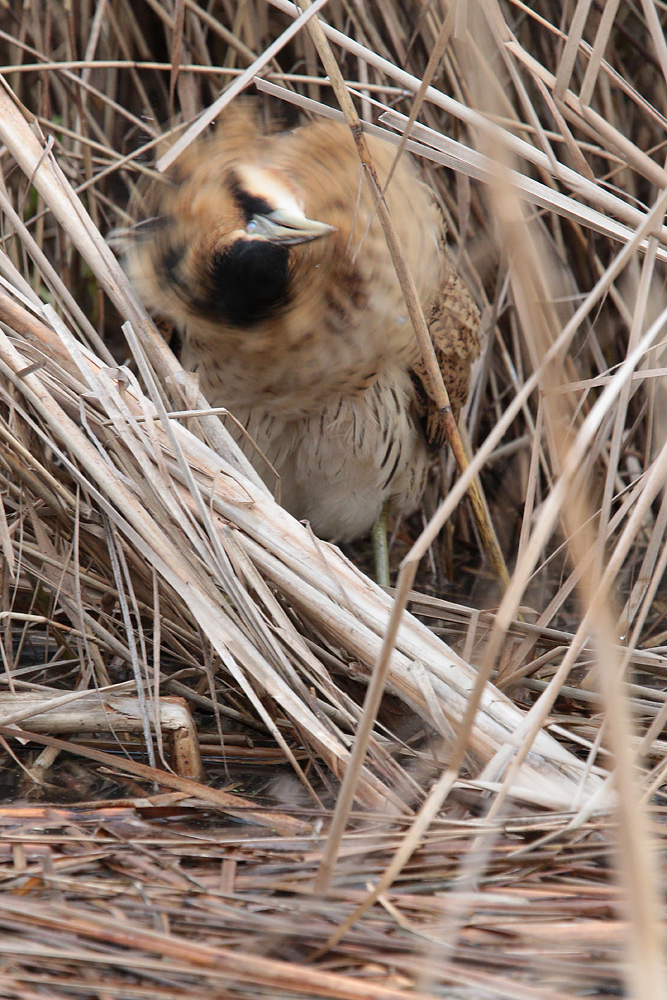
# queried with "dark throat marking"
point(248, 281)
point(240, 284)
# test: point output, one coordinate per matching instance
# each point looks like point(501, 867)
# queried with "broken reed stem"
point(437, 386)
point(441, 397)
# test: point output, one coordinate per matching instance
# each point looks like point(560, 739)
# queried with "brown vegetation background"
point(500, 830)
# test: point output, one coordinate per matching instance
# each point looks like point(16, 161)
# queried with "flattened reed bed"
point(505, 833)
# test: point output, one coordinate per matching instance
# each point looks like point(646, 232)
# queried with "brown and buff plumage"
point(266, 252)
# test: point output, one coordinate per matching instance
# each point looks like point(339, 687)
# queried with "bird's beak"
point(286, 228)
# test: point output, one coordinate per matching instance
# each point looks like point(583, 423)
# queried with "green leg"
point(381, 547)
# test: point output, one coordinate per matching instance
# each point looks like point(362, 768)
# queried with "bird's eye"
point(252, 226)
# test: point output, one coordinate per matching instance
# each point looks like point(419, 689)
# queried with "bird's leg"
point(381, 547)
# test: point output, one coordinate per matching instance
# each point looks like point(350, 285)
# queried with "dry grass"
point(499, 831)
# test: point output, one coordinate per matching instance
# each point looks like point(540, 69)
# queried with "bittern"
point(266, 252)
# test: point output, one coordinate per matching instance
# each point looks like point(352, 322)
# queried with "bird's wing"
point(454, 326)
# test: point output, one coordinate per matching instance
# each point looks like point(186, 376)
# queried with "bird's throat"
point(248, 282)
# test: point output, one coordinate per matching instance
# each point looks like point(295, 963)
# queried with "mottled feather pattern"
point(454, 328)
point(268, 256)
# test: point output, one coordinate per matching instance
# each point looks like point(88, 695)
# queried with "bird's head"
point(218, 247)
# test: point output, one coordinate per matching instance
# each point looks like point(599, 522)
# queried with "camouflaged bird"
point(266, 252)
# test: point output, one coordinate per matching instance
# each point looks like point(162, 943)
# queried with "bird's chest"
point(294, 373)
point(339, 465)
